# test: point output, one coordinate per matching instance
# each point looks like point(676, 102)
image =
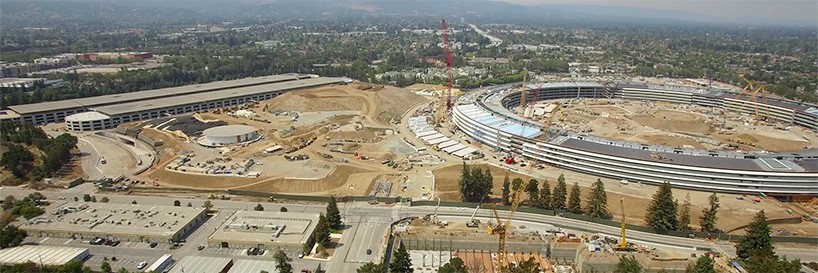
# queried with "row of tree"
point(542, 196)
point(665, 213)
point(754, 250)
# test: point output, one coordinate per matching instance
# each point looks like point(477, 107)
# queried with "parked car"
point(154, 244)
point(368, 251)
point(141, 265)
point(112, 243)
point(301, 255)
point(199, 248)
point(98, 241)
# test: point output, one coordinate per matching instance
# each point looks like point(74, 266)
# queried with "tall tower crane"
point(754, 90)
point(523, 94)
point(445, 103)
point(501, 227)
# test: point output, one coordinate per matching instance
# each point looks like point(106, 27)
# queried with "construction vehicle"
point(501, 227)
point(623, 243)
point(474, 222)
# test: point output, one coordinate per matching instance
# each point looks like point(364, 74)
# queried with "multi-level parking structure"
point(484, 116)
point(105, 112)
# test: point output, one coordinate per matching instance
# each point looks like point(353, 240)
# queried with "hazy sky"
point(783, 11)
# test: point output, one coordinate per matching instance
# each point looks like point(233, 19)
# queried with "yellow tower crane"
point(501, 227)
point(623, 241)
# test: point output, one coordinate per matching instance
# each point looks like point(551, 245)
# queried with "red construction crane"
point(448, 66)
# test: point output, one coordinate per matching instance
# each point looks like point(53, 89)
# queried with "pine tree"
point(545, 195)
point(628, 264)
point(506, 190)
point(598, 201)
point(333, 215)
point(532, 188)
point(560, 193)
point(708, 218)
point(322, 231)
point(465, 182)
point(371, 267)
point(574, 200)
point(661, 212)
point(684, 215)
point(756, 239)
point(486, 185)
point(400, 261)
point(703, 265)
point(282, 262)
point(516, 186)
point(455, 265)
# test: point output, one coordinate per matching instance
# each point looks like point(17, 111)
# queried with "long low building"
point(104, 112)
point(485, 116)
point(42, 255)
point(246, 229)
point(124, 222)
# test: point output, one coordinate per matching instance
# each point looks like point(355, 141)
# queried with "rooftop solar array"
point(502, 124)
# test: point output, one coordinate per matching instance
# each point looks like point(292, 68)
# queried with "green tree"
point(560, 194)
point(18, 160)
point(259, 207)
point(703, 265)
point(177, 203)
point(532, 188)
point(207, 204)
point(105, 199)
point(545, 195)
point(628, 264)
point(282, 262)
point(72, 267)
point(11, 236)
point(526, 266)
point(756, 237)
point(684, 215)
point(455, 265)
point(283, 209)
point(661, 211)
point(8, 202)
point(597, 205)
point(708, 219)
point(333, 214)
point(766, 261)
point(401, 262)
point(574, 200)
point(506, 190)
point(123, 270)
point(189, 204)
point(322, 231)
point(106, 267)
point(371, 267)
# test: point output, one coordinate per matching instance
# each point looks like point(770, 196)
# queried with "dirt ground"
point(732, 214)
point(681, 126)
point(336, 179)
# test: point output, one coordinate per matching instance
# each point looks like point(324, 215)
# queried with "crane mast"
point(623, 244)
point(445, 102)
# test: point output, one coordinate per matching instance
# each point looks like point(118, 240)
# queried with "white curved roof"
point(87, 116)
point(229, 131)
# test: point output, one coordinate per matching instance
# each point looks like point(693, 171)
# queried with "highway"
point(366, 226)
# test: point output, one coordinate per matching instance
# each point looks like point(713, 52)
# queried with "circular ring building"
point(485, 117)
point(228, 135)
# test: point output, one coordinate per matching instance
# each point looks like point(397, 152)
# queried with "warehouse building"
point(245, 229)
point(141, 105)
point(44, 255)
point(227, 135)
point(201, 264)
point(123, 222)
point(244, 266)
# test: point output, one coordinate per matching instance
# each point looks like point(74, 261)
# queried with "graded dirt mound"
point(323, 99)
point(336, 179)
point(391, 102)
point(674, 121)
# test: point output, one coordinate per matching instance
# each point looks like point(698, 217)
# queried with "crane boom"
point(623, 244)
point(448, 66)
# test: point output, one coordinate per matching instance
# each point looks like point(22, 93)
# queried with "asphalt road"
point(367, 226)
